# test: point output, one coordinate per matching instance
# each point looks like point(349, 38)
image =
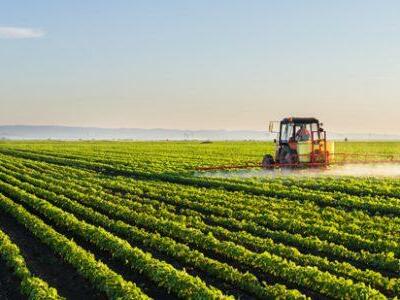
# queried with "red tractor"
point(301, 142)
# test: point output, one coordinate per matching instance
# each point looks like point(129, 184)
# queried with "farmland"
point(134, 220)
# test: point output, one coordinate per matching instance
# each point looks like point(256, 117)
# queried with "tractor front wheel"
point(268, 161)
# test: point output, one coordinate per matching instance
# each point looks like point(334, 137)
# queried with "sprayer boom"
point(338, 159)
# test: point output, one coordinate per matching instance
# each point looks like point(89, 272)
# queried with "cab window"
point(314, 127)
point(287, 132)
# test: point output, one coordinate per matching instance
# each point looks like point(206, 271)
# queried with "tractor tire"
point(268, 161)
point(283, 154)
point(287, 156)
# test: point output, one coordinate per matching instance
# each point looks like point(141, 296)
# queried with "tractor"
point(301, 142)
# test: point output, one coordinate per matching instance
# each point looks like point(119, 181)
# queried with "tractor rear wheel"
point(268, 161)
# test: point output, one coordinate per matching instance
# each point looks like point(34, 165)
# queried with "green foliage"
point(271, 238)
point(32, 287)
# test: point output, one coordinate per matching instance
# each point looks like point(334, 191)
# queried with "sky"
point(206, 64)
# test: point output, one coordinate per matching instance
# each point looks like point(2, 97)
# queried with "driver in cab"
point(303, 135)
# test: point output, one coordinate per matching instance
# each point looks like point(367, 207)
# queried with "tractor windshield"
point(287, 132)
point(298, 132)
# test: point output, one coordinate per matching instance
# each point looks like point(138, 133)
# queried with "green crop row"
point(84, 262)
point(336, 268)
point(237, 231)
point(358, 224)
point(371, 260)
point(343, 269)
point(165, 245)
point(176, 281)
point(329, 233)
point(353, 186)
point(312, 278)
point(31, 286)
point(295, 193)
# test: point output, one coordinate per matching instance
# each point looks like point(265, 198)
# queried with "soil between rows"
point(9, 284)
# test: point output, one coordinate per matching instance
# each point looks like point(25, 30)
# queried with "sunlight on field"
point(127, 208)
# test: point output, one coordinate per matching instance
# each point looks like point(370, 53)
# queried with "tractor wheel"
point(268, 161)
point(288, 156)
point(283, 154)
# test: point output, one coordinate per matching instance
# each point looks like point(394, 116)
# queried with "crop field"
point(135, 220)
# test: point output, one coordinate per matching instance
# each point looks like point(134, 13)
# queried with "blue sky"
point(200, 64)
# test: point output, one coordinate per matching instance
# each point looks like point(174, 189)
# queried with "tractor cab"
point(300, 142)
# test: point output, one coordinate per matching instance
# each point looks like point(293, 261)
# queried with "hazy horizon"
point(226, 65)
point(42, 132)
point(263, 130)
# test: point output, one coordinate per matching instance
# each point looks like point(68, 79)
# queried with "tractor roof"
point(299, 120)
